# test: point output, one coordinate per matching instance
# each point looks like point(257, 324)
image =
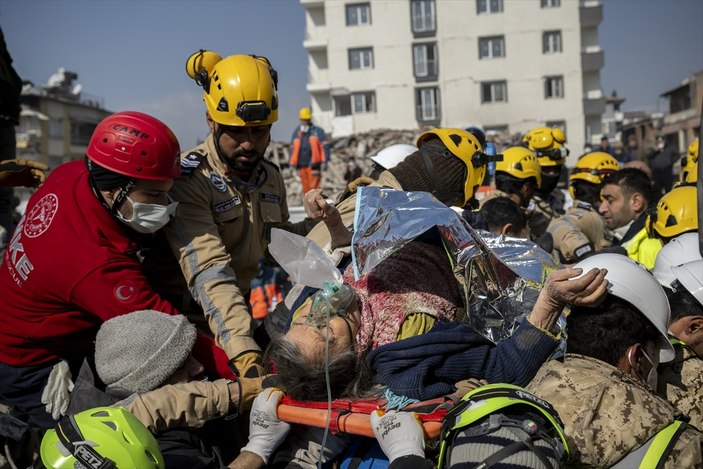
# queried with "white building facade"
point(506, 65)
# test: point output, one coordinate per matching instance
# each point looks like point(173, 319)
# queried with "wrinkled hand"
point(266, 430)
point(399, 433)
point(57, 392)
point(587, 290)
point(561, 289)
point(21, 172)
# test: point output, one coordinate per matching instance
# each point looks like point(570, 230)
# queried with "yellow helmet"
point(689, 164)
point(547, 144)
point(676, 213)
point(467, 148)
point(520, 163)
point(594, 167)
point(305, 113)
point(240, 90)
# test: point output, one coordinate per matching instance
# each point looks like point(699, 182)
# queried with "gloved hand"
point(266, 431)
point(399, 433)
point(22, 172)
point(360, 181)
point(56, 394)
point(250, 375)
point(316, 172)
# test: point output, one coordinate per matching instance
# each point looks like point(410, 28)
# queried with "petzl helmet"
point(593, 167)
point(136, 145)
point(676, 213)
point(485, 410)
point(680, 250)
point(630, 281)
point(390, 156)
point(305, 113)
point(103, 437)
point(240, 90)
point(547, 144)
point(520, 163)
point(689, 164)
point(465, 146)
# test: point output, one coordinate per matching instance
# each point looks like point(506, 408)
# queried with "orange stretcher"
point(352, 416)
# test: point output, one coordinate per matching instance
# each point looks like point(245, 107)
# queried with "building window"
point(361, 59)
point(489, 6)
point(81, 132)
point(491, 47)
point(55, 127)
point(423, 16)
point(342, 105)
point(358, 14)
point(561, 124)
point(553, 87)
point(427, 101)
point(550, 3)
point(551, 42)
point(494, 91)
point(363, 102)
point(425, 60)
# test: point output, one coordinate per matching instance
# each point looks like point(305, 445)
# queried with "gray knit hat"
point(138, 351)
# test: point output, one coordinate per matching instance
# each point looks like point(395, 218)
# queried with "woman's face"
point(311, 339)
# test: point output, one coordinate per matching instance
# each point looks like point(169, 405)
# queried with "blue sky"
point(133, 53)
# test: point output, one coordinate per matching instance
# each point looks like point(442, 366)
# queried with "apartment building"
point(507, 65)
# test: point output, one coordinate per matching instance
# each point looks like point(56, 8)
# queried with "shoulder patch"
point(273, 198)
point(191, 162)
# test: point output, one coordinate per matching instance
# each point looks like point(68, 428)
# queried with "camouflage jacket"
point(681, 382)
point(607, 413)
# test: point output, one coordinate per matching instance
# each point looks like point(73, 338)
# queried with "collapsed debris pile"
point(351, 155)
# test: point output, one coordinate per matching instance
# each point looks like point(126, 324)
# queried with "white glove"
point(399, 433)
point(266, 431)
point(56, 394)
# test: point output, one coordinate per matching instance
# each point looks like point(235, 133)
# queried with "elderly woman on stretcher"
point(396, 326)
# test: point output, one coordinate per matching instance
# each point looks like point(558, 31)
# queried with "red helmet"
point(136, 145)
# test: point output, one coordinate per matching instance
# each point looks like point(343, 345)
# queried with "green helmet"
point(102, 437)
point(485, 410)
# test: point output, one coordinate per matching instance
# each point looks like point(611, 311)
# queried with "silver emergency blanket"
point(503, 275)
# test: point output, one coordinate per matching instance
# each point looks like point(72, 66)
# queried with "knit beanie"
point(470, 452)
point(138, 351)
point(449, 172)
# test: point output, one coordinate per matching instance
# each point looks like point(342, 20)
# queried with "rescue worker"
point(229, 197)
point(548, 145)
point(73, 260)
point(625, 197)
point(581, 231)
point(603, 389)
point(517, 176)
point(689, 164)
point(679, 269)
point(676, 213)
point(310, 151)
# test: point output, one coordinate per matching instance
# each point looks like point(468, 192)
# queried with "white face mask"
point(148, 218)
point(304, 128)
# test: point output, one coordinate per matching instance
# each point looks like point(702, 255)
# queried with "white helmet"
point(680, 250)
point(390, 156)
point(690, 275)
point(630, 281)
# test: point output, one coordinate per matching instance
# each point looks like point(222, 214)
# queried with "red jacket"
point(69, 266)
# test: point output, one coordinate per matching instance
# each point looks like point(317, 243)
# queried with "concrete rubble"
point(353, 153)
